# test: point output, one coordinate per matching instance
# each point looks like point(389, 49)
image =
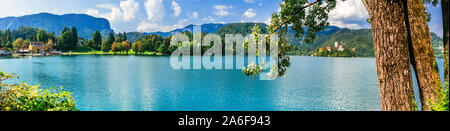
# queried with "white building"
point(340, 48)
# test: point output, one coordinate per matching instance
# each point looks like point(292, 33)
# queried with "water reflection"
point(149, 83)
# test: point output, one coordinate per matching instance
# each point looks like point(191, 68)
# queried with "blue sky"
point(165, 15)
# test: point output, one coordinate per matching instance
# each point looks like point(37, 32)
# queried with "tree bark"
point(446, 23)
point(422, 54)
point(392, 54)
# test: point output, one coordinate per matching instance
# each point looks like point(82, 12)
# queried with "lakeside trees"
point(121, 47)
point(8, 37)
point(138, 47)
point(126, 46)
point(106, 45)
point(49, 45)
point(68, 40)
point(20, 44)
point(96, 41)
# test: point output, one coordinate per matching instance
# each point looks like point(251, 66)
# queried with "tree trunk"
point(392, 54)
point(422, 54)
point(445, 16)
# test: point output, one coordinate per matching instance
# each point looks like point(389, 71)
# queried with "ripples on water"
point(149, 83)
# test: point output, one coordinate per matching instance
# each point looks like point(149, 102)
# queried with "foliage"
point(49, 45)
point(68, 40)
point(20, 44)
point(106, 46)
point(124, 36)
point(120, 47)
point(126, 46)
point(442, 102)
point(254, 69)
point(65, 41)
point(427, 12)
point(241, 28)
point(74, 37)
point(96, 40)
point(24, 33)
point(359, 40)
point(299, 14)
point(24, 97)
point(116, 46)
point(443, 99)
point(138, 47)
point(41, 36)
point(162, 48)
point(121, 37)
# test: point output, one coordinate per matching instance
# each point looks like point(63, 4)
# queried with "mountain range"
point(360, 39)
point(85, 24)
point(207, 28)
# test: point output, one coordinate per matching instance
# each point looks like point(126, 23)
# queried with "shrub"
point(442, 101)
point(24, 97)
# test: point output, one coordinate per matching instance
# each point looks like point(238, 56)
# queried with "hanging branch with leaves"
point(296, 15)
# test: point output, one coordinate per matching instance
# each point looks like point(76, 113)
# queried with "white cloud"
point(152, 27)
point(155, 12)
point(249, 1)
point(249, 13)
point(155, 9)
point(347, 25)
point(244, 21)
point(222, 7)
point(221, 13)
point(221, 10)
point(176, 8)
point(93, 12)
point(146, 26)
point(268, 21)
point(115, 16)
point(106, 6)
point(126, 12)
point(181, 23)
point(194, 15)
point(129, 7)
point(348, 14)
point(210, 19)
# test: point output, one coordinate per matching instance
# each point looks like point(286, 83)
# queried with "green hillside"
point(356, 43)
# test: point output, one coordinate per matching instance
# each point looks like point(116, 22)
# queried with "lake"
point(144, 83)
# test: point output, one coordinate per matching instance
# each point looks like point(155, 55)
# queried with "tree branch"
point(295, 14)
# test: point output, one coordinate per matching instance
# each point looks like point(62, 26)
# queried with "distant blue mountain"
point(230, 28)
point(86, 25)
point(206, 28)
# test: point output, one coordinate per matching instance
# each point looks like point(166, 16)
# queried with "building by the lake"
point(36, 47)
point(340, 48)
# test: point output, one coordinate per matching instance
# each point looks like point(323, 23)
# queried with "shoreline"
point(149, 54)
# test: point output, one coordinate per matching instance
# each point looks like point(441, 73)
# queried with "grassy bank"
point(89, 51)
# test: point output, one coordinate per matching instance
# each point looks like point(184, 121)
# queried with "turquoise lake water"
point(142, 83)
